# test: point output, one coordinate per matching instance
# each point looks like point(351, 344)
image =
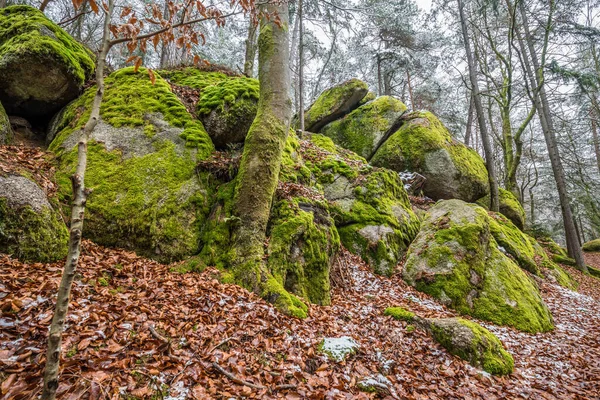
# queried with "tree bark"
point(594, 117)
point(301, 64)
point(410, 90)
point(3, 3)
point(261, 161)
point(76, 228)
point(543, 109)
point(469, 129)
point(485, 138)
point(250, 50)
point(44, 5)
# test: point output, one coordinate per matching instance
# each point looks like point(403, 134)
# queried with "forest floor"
point(138, 329)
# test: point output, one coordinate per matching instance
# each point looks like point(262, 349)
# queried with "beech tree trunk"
point(594, 117)
point(542, 106)
point(261, 161)
point(250, 50)
point(75, 232)
point(485, 138)
point(469, 130)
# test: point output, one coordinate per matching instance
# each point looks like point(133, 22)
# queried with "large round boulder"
point(227, 109)
point(5, 129)
point(334, 103)
point(367, 127)
point(456, 259)
point(42, 67)
point(142, 156)
point(423, 145)
point(31, 229)
point(509, 207)
point(592, 246)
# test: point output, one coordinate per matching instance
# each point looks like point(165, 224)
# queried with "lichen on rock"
point(142, 157)
point(42, 67)
point(334, 103)
point(424, 145)
point(456, 259)
point(30, 227)
point(473, 343)
point(365, 129)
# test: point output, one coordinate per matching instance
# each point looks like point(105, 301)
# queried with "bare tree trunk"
point(301, 64)
point(77, 213)
point(485, 138)
point(3, 3)
point(410, 91)
point(594, 117)
point(469, 130)
point(164, 48)
point(379, 76)
point(261, 161)
point(543, 109)
point(250, 50)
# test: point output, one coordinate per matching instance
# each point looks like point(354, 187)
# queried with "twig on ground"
point(235, 378)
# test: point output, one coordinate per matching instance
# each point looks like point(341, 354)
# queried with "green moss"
point(592, 246)
point(566, 260)
point(275, 293)
point(32, 236)
point(595, 272)
point(193, 77)
point(302, 246)
point(128, 98)
point(229, 95)
point(455, 259)
point(331, 100)
point(422, 134)
point(400, 314)
point(363, 129)
point(5, 128)
point(25, 30)
point(509, 207)
point(483, 349)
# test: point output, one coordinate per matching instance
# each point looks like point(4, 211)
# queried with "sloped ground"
point(138, 330)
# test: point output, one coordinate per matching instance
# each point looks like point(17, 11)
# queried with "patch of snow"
point(339, 348)
point(178, 392)
point(35, 303)
point(6, 323)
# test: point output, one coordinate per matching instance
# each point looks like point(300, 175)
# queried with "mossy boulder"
point(473, 343)
point(42, 67)
point(424, 145)
point(456, 259)
point(399, 313)
point(526, 251)
point(509, 207)
point(141, 166)
point(592, 246)
point(6, 133)
point(195, 78)
point(334, 103)
point(227, 109)
point(31, 229)
point(367, 127)
point(369, 205)
point(302, 247)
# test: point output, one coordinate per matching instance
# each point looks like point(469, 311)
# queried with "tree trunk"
point(594, 117)
point(379, 76)
point(261, 161)
point(301, 64)
point(3, 3)
point(76, 228)
point(468, 132)
point(543, 109)
point(410, 91)
point(44, 5)
point(250, 50)
point(485, 138)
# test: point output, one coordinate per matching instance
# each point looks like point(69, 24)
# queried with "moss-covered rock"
point(302, 247)
point(399, 313)
point(141, 166)
point(42, 67)
point(369, 205)
point(509, 207)
point(424, 145)
point(473, 343)
point(193, 77)
point(6, 133)
point(227, 109)
point(592, 246)
point(334, 103)
point(456, 259)
point(367, 127)
point(30, 227)
point(526, 251)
